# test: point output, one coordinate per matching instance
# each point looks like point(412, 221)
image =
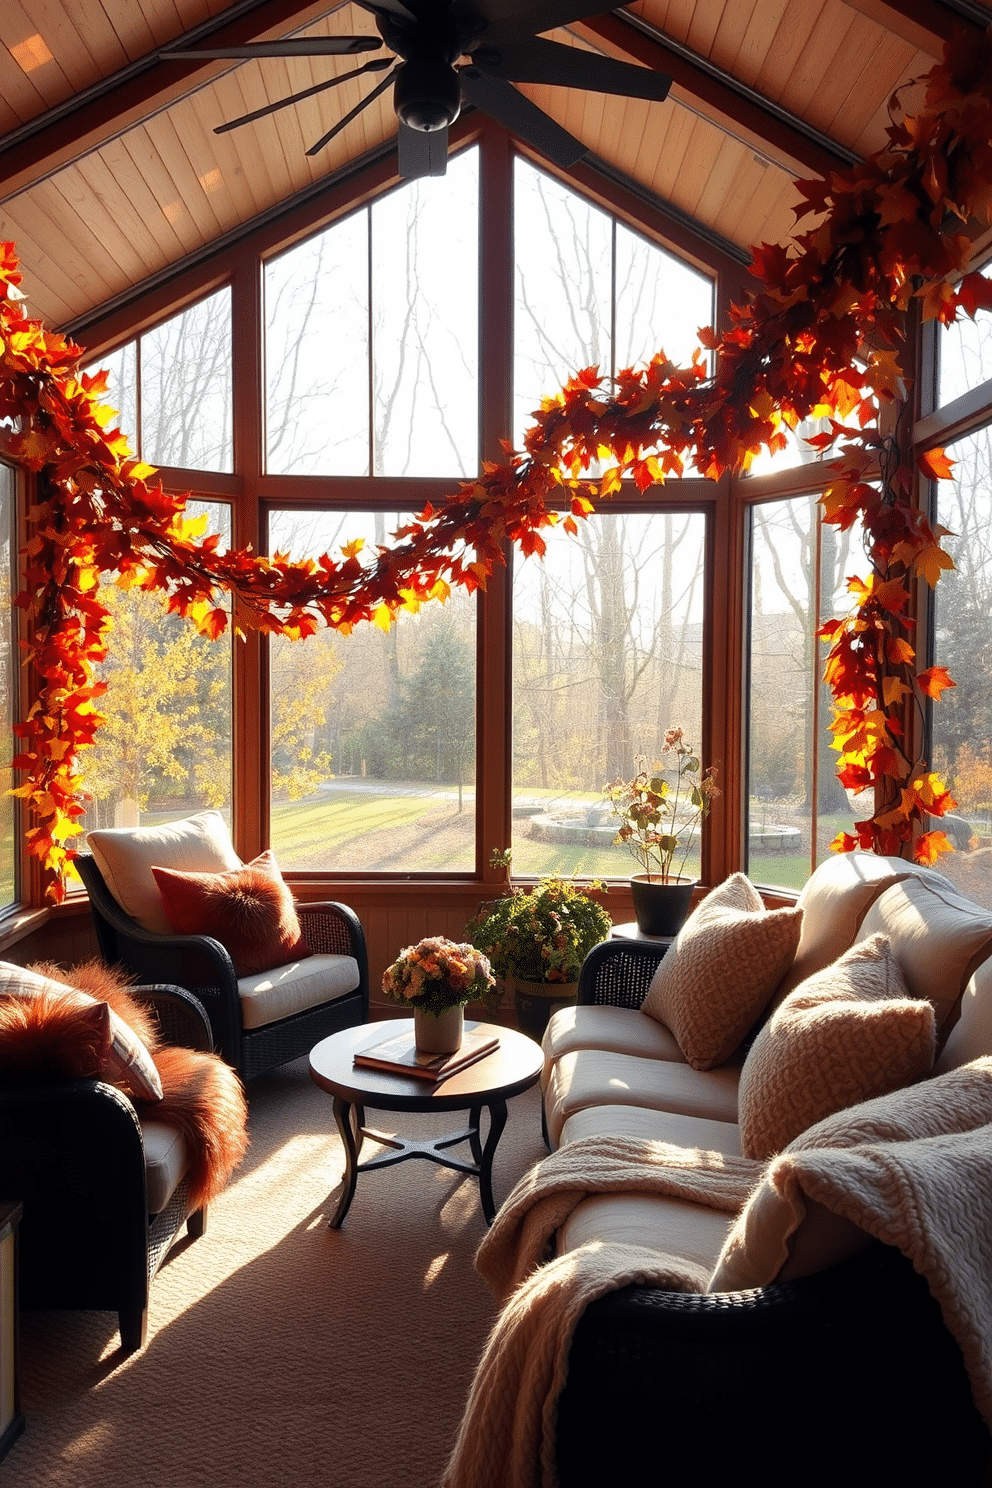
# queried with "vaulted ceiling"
point(111, 175)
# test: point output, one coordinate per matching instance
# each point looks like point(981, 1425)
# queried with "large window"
point(796, 805)
point(172, 388)
point(373, 734)
point(165, 747)
point(371, 338)
point(607, 655)
point(961, 722)
point(671, 608)
point(591, 293)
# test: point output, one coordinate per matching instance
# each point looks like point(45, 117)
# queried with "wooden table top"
point(508, 1070)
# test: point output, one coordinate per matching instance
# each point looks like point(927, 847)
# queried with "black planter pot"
point(660, 908)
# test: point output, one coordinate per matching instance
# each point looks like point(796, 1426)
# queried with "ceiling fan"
point(499, 43)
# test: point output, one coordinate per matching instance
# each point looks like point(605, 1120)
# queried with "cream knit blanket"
point(525, 1226)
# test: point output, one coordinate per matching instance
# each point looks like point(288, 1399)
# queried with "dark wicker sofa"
point(848, 1375)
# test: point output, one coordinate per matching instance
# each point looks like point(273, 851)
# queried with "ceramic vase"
point(439, 1033)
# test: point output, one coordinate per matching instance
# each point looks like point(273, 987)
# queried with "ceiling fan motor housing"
point(427, 95)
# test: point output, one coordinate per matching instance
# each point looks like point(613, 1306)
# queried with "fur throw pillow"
point(250, 910)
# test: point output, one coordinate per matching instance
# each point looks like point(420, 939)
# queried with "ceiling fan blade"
point(541, 61)
point(509, 19)
point(515, 112)
point(271, 108)
point(293, 46)
point(422, 153)
point(352, 114)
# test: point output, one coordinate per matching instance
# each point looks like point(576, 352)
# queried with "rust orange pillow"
point(249, 910)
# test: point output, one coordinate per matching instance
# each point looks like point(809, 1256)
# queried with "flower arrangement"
point(544, 935)
point(437, 974)
point(657, 818)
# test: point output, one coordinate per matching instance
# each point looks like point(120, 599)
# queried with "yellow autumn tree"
point(302, 696)
point(167, 711)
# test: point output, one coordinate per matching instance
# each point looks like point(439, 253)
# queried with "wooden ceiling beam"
point(925, 24)
point(717, 96)
point(146, 87)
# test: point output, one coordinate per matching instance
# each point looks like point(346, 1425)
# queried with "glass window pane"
point(316, 354)
point(791, 822)
point(122, 388)
point(965, 354)
point(563, 249)
point(661, 302)
point(425, 267)
point(165, 748)
point(8, 686)
point(607, 655)
point(186, 388)
point(962, 719)
point(373, 734)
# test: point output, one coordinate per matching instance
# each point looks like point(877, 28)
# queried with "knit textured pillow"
point(249, 910)
point(718, 977)
point(845, 1035)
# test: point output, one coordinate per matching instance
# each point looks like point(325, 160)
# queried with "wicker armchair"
point(203, 965)
point(73, 1153)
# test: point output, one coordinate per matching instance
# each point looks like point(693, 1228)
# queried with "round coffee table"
point(489, 1082)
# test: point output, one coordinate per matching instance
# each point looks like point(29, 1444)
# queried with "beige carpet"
point(281, 1352)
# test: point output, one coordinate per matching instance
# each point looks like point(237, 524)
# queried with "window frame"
point(252, 493)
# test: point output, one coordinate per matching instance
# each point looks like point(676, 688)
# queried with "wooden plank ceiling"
point(111, 175)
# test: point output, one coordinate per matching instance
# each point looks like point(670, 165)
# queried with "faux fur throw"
point(507, 1435)
point(203, 1096)
point(521, 1236)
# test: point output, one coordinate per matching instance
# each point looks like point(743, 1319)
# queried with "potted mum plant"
point(658, 818)
point(536, 942)
point(436, 978)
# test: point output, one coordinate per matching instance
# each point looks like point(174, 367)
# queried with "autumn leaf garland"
point(821, 339)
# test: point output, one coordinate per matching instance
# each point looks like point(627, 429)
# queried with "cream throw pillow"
point(717, 978)
point(847, 1034)
point(125, 856)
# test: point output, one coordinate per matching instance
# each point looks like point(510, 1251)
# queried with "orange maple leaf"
point(934, 681)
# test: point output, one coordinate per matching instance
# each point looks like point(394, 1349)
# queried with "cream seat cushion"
point(125, 857)
point(689, 1231)
point(653, 1126)
point(594, 1077)
point(166, 1160)
point(285, 990)
point(622, 1030)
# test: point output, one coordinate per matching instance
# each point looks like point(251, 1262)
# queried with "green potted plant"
point(436, 978)
point(658, 816)
point(536, 941)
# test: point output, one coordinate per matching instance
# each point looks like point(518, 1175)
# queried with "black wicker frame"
point(72, 1154)
point(204, 966)
point(846, 1376)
